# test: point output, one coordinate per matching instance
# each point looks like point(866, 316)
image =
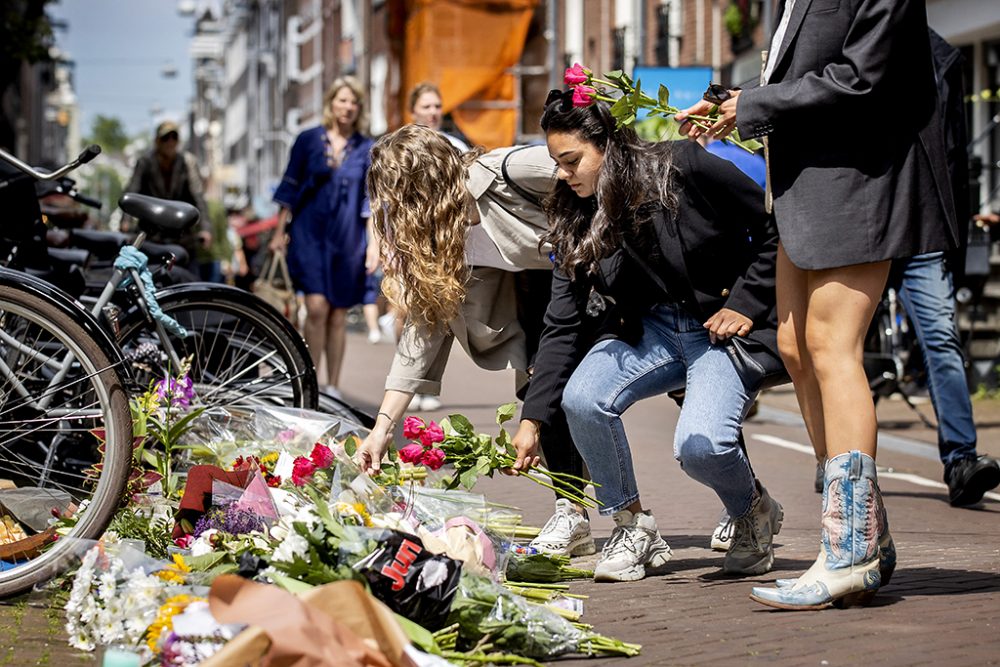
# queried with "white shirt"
point(779, 37)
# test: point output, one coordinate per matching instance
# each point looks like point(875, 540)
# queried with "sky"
point(120, 48)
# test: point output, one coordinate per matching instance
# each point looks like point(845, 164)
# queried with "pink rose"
point(583, 96)
point(184, 541)
point(321, 456)
point(412, 426)
point(576, 75)
point(431, 435)
point(412, 453)
point(434, 458)
point(302, 470)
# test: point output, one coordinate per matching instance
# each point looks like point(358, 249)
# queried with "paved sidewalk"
point(942, 607)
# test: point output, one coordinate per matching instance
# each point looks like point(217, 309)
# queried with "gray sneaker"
point(635, 544)
point(722, 536)
point(751, 550)
point(566, 533)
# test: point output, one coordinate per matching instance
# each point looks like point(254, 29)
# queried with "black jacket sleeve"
point(738, 201)
point(561, 348)
point(876, 29)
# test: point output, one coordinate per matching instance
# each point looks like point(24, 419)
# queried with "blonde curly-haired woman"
point(460, 249)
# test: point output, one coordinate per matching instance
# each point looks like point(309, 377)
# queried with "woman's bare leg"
point(839, 312)
point(792, 293)
point(336, 342)
point(314, 331)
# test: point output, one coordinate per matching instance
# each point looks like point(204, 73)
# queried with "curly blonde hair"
point(361, 124)
point(418, 196)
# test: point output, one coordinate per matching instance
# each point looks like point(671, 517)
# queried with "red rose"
point(322, 456)
point(412, 453)
point(583, 96)
point(576, 75)
point(302, 470)
point(432, 435)
point(433, 458)
point(412, 426)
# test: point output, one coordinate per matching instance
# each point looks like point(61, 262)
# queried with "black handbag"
point(756, 374)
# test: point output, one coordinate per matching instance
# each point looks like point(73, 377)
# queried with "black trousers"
point(534, 291)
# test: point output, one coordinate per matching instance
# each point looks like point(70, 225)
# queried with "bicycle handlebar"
point(88, 154)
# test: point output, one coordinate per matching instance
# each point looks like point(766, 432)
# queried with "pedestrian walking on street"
point(927, 289)
point(663, 254)
point(846, 203)
point(460, 247)
point(323, 196)
point(168, 172)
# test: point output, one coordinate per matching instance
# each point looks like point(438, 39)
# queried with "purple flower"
point(175, 392)
point(229, 520)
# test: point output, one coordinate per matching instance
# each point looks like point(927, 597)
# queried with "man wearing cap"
point(169, 173)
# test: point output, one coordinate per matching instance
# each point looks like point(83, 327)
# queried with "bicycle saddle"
point(160, 214)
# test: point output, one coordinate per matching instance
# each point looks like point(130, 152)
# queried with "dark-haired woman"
point(663, 252)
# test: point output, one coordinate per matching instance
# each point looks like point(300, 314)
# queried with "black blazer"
point(857, 160)
point(718, 251)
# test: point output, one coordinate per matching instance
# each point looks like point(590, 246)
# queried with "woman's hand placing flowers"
point(525, 444)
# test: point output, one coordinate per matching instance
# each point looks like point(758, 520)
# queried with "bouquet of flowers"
point(472, 454)
point(587, 88)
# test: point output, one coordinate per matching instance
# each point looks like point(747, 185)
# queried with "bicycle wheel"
point(242, 351)
point(48, 444)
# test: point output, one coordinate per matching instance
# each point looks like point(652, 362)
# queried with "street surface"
point(942, 607)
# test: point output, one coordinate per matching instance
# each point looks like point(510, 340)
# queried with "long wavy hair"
point(419, 200)
point(634, 174)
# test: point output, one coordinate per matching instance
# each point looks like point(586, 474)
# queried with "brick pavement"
point(942, 608)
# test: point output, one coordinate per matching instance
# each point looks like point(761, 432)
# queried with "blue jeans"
point(928, 296)
point(674, 353)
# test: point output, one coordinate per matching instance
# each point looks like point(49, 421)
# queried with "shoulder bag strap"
point(528, 196)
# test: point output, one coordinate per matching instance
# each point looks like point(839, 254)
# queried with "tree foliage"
point(108, 133)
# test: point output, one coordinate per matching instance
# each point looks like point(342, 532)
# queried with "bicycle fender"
point(186, 292)
point(72, 308)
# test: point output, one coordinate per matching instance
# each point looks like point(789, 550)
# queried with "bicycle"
point(242, 351)
point(63, 406)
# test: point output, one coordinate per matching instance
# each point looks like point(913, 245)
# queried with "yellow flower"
point(174, 573)
point(165, 619)
point(269, 459)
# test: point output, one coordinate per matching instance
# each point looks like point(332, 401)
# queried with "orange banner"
point(467, 48)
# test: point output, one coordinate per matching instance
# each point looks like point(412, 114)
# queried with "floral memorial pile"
point(244, 528)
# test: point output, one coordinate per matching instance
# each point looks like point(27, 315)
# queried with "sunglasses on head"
point(557, 95)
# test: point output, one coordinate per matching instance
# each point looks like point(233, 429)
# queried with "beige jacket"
point(487, 326)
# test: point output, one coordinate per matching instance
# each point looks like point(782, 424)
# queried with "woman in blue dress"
point(323, 194)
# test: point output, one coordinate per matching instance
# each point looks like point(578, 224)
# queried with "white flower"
point(203, 544)
point(293, 545)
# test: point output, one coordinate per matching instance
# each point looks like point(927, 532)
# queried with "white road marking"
point(902, 476)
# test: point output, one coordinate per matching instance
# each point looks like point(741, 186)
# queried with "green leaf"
point(622, 108)
point(616, 76)
point(417, 634)
point(468, 478)
point(503, 440)
point(206, 561)
point(483, 465)
point(461, 425)
point(289, 584)
point(350, 445)
point(506, 412)
point(663, 96)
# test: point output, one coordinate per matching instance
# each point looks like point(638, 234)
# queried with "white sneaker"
point(414, 403)
point(428, 403)
point(566, 533)
point(635, 544)
point(722, 536)
point(387, 323)
point(752, 548)
point(374, 336)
